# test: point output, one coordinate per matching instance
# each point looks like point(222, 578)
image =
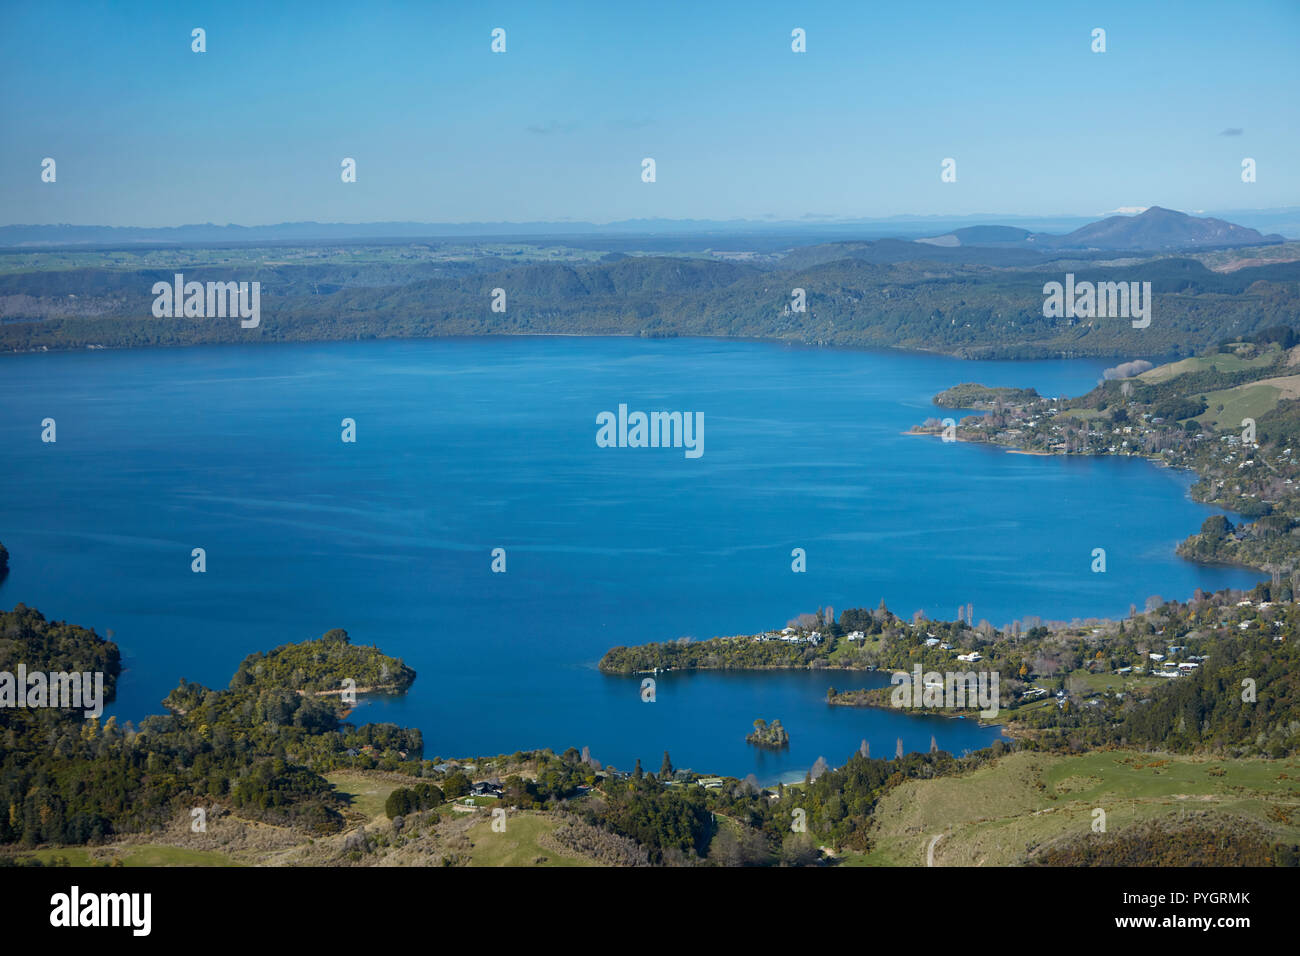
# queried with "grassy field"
point(994, 815)
point(366, 795)
point(1247, 401)
point(1082, 414)
point(1109, 682)
point(133, 855)
point(1223, 362)
point(518, 846)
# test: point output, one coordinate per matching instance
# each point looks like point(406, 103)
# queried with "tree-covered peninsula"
point(322, 666)
point(258, 747)
point(971, 395)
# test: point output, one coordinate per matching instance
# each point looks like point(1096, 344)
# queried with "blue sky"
point(146, 132)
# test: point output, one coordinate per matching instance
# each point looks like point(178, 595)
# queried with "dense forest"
point(259, 746)
point(983, 308)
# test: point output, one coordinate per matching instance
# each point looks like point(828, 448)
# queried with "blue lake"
point(468, 445)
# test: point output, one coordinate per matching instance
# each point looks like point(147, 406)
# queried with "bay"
point(465, 445)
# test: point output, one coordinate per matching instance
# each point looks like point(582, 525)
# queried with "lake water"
point(468, 445)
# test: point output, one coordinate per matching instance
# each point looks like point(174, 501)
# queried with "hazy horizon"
point(937, 220)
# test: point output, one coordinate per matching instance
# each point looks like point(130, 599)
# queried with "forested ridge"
point(971, 309)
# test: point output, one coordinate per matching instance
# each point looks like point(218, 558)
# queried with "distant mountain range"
point(1157, 229)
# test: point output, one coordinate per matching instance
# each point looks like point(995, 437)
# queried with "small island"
point(769, 736)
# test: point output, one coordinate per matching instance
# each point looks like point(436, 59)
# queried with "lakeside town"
point(1230, 415)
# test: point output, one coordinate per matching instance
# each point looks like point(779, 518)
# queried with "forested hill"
point(27, 638)
point(258, 747)
point(321, 667)
point(973, 302)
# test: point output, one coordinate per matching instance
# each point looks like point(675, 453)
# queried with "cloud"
point(1127, 369)
point(1232, 131)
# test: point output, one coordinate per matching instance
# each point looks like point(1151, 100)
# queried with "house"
point(974, 657)
point(710, 783)
point(857, 636)
point(1156, 657)
point(485, 788)
point(931, 642)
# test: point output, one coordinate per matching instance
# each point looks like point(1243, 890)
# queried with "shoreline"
point(882, 349)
